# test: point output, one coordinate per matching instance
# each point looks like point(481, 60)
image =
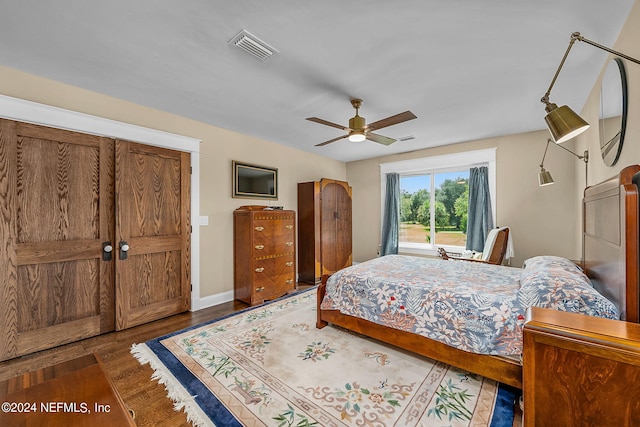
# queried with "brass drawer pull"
point(259, 269)
point(289, 227)
point(259, 228)
point(289, 243)
point(289, 264)
point(260, 289)
point(259, 246)
point(289, 281)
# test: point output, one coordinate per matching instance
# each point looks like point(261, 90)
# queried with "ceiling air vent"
point(406, 138)
point(253, 45)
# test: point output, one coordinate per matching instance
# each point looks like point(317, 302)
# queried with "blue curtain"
point(479, 218)
point(391, 218)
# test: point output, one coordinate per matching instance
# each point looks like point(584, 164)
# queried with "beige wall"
point(628, 43)
point(541, 218)
point(218, 148)
point(544, 220)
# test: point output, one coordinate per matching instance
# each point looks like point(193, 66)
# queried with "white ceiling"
point(469, 69)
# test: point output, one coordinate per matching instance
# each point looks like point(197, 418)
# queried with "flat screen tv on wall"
point(254, 182)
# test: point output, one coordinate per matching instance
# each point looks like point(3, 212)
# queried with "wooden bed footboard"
point(505, 370)
point(322, 288)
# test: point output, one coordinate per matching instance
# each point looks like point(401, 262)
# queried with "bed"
point(610, 260)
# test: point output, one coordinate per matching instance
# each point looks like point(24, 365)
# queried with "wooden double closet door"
point(95, 235)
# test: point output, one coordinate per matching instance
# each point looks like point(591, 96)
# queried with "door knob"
point(107, 251)
point(124, 249)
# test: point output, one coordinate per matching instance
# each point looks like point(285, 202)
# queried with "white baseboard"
point(211, 300)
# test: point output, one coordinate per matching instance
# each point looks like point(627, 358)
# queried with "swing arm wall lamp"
point(563, 122)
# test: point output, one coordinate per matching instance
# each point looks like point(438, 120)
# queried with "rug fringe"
point(181, 398)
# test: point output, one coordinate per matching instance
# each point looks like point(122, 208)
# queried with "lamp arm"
point(584, 157)
point(598, 45)
point(545, 98)
point(578, 37)
point(545, 153)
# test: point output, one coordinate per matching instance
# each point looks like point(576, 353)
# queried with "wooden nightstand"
point(580, 370)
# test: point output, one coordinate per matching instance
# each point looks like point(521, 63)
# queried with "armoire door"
point(335, 225)
point(153, 233)
point(56, 215)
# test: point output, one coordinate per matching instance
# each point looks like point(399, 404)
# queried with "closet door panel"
point(57, 293)
point(57, 303)
point(58, 217)
point(153, 211)
point(161, 268)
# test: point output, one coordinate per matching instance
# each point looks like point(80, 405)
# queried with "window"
point(434, 199)
point(433, 208)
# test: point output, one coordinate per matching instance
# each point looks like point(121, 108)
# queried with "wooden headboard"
point(610, 251)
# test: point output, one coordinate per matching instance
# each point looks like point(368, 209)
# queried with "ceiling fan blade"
point(324, 122)
point(331, 140)
point(384, 140)
point(393, 120)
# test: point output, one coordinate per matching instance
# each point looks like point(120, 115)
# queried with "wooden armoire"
point(95, 235)
point(324, 228)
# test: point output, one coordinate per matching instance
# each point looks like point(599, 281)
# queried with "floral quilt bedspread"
point(472, 306)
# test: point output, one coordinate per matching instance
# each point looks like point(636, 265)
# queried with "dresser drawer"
point(270, 287)
point(277, 245)
point(275, 266)
point(268, 228)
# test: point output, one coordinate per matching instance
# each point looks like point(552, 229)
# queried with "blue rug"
point(269, 365)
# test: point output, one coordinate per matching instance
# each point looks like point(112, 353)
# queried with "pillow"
point(545, 262)
point(552, 266)
point(557, 283)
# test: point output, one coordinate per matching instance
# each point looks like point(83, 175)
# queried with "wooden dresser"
point(580, 370)
point(264, 253)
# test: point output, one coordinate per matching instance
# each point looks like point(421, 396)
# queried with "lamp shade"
point(564, 124)
point(356, 136)
point(544, 177)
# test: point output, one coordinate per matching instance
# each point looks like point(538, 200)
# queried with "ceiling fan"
point(359, 131)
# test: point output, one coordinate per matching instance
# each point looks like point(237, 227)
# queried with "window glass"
point(415, 215)
point(452, 200)
point(433, 208)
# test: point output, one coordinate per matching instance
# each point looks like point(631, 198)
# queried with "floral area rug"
point(270, 366)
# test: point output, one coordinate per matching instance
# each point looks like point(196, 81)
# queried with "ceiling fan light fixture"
point(356, 136)
point(358, 129)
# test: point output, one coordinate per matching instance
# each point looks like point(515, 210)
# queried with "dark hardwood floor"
point(146, 398)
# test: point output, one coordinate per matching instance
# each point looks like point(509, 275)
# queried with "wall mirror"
point(254, 182)
point(613, 111)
